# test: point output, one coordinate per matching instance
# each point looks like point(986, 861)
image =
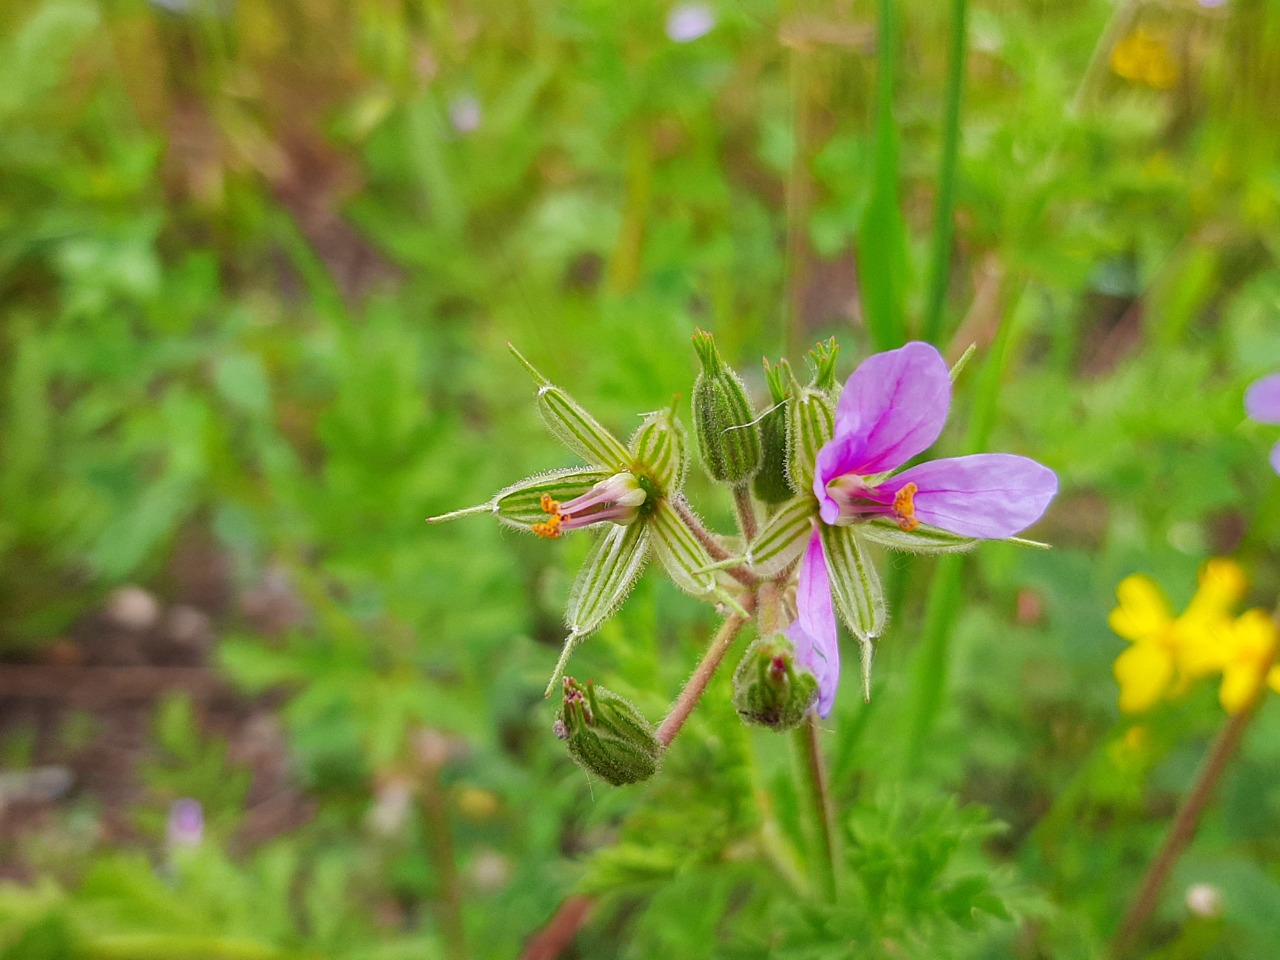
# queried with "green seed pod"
point(728, 436)
point(768, 690)
point(606, 734)
point(771, 484)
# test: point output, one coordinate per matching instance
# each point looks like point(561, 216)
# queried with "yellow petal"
point(1273, 679)
point(1143, 672)
point(1222, 585)
point(1241, 683)
point(1143, 612)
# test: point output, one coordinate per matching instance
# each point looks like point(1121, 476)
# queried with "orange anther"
point(549, 530)
point(548, 505)
point(904, 507)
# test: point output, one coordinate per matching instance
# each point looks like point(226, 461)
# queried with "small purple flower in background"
point(186, 823)
point(814, 631)
point(894, 407)
point(689, 21)
point(465, 113)
point(1262, 403)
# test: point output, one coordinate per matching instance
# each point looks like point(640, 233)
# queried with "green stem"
point(1180, 834)
point(945, 216)
point(440, 837)
point(702, 674)
point(815, 776)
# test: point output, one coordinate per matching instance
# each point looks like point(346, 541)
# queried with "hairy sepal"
point(660, 450)
point(782, 539)
point(612, 568)
point(855, 587)
point(811, 419)
point(520, 505)
point(574, 426)
point(921, 539)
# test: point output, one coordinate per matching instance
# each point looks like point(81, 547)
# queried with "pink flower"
point(813, 632)
point(1262, 403)
point(894, 407)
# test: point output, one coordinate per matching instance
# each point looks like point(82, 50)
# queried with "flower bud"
point(606, 734)
point(728, 436)
point(771, 484)
point(768, 689)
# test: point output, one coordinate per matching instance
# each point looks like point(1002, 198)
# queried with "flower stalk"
point(702, 674)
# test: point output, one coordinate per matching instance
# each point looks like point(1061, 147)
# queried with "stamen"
point(550, 528)
point(904, 507)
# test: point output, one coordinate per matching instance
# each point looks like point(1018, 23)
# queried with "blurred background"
point(258, 265)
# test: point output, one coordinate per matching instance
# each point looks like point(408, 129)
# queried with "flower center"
point(904, 507)
point(616, 500)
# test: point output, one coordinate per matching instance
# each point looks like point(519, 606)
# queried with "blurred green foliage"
point(257, 263)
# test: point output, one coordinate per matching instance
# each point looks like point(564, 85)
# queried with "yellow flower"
point(1247, 661)
point(1144, 58)
point(1168, 652)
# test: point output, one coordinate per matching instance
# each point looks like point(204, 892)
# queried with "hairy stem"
point(711, 542)
point(815, 775)
point(746, 511)
point(1183, 828)
point(702, 674)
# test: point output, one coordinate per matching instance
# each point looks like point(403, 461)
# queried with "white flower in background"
point(1204, 900)
point(464, 113)
point(689, 21)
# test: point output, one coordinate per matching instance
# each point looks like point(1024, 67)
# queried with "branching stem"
point(702, 674)
point(711, 542)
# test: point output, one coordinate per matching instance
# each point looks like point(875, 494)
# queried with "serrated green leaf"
point(783, 537)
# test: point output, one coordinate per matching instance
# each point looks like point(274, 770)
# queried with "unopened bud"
point(606, 734)
point(768, 689)
point(771, 484)
point(823, 356)
point(728, 436)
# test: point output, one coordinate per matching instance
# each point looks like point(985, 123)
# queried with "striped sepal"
point(660, 449)
point(810, 424)
point(573, 426)
point(683, 558)
point(611, 570)
point(783, 538)
point(855, 585)
point(923, 539)
point(520, 505)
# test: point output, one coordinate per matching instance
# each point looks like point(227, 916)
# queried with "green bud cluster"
point(606, 734)
point(768, 689)
point(771, 484)
point(728, 435)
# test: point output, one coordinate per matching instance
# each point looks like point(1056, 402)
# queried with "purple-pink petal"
point(837, 457)
point(1275, 458)
point(987, 495)
point(814, 631)
point(894, 406)
point(1262, 400)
